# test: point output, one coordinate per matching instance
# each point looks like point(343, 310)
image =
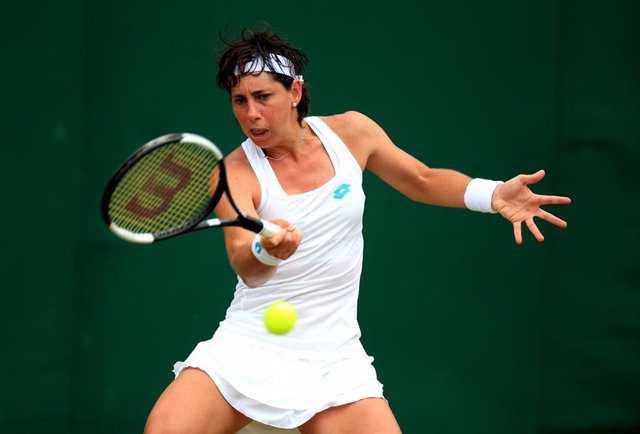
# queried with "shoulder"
point(360, 133)
point(349, 123)
point(237, 160)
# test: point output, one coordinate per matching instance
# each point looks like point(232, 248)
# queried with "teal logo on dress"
point(341, 191)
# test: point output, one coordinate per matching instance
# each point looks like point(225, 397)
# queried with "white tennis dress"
point(282, 381)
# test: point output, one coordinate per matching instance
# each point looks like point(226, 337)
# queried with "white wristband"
point(477, 196)
point(261, 253)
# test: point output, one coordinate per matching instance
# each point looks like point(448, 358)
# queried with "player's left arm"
point(375, 151)
point(514, 200)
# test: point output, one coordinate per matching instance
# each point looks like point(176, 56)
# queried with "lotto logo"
point(341, 191)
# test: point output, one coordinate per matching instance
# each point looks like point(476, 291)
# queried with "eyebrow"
point(254, 93)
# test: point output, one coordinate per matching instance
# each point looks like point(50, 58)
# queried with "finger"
point(533, 178)
point(547, 216)
point(297, 236)
point(554, 200)
point(288, 246)
point(272, 242)
point(534, 230)
point(517, 232)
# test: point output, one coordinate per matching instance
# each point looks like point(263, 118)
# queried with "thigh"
point(193, 404)
point(371, 415)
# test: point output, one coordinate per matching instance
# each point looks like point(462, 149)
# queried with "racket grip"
point(269, 229)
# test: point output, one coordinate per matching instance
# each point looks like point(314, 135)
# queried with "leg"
point(371, 415)
point(193, 404)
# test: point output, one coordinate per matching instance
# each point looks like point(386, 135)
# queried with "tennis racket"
point(168, 187)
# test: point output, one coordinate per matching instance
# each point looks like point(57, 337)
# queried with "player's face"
point(262, 106)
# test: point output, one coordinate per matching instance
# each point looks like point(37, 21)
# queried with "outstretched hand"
point(517, 203)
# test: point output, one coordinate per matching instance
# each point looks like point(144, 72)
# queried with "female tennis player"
point(304, 173)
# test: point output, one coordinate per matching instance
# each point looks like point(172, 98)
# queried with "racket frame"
point(196, 223)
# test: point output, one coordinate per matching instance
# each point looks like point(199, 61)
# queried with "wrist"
point(478, 195)
point(261, 253)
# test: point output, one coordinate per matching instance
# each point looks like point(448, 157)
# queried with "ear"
point(296, 91)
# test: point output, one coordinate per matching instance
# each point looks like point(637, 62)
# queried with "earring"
point(294, 104)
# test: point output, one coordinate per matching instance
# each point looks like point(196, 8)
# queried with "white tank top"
point(322, 278)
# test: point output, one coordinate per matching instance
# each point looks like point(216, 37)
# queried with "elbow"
point(423, 185)
point(253, 275)
point(251, 282)
point(255, 281)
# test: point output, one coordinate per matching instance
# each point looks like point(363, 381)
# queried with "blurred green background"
point(471, 333)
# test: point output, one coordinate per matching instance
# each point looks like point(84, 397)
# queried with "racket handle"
point(269, 229)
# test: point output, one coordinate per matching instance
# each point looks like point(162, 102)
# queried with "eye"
point(239, 101)
point(263, 96)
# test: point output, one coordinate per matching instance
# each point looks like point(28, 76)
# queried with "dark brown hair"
point(254, 45)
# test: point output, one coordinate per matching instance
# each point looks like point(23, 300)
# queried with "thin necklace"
point(300, 142)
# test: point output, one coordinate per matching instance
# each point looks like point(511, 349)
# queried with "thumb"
point(533, 178)
point(277, 238)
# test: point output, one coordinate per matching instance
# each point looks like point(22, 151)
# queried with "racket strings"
point(167, 189)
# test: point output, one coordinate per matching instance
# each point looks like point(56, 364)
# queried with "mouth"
point(258, 133)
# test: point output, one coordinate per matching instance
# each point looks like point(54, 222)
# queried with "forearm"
point(252, 272)
point(441, 187)
point(416, 180)
point(256, 258)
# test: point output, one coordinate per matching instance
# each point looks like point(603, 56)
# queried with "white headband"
point(276, 63)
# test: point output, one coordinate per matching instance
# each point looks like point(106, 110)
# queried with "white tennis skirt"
point(281, 390)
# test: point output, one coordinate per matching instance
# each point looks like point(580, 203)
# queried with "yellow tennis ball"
point(280, 317)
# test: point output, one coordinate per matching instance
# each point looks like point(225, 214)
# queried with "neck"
point(300, 142)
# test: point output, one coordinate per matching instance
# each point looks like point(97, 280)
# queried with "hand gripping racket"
point(168, 187)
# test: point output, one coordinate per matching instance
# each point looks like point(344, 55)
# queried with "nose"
point(252, 110)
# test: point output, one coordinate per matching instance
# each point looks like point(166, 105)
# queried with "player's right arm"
point(245, 189)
